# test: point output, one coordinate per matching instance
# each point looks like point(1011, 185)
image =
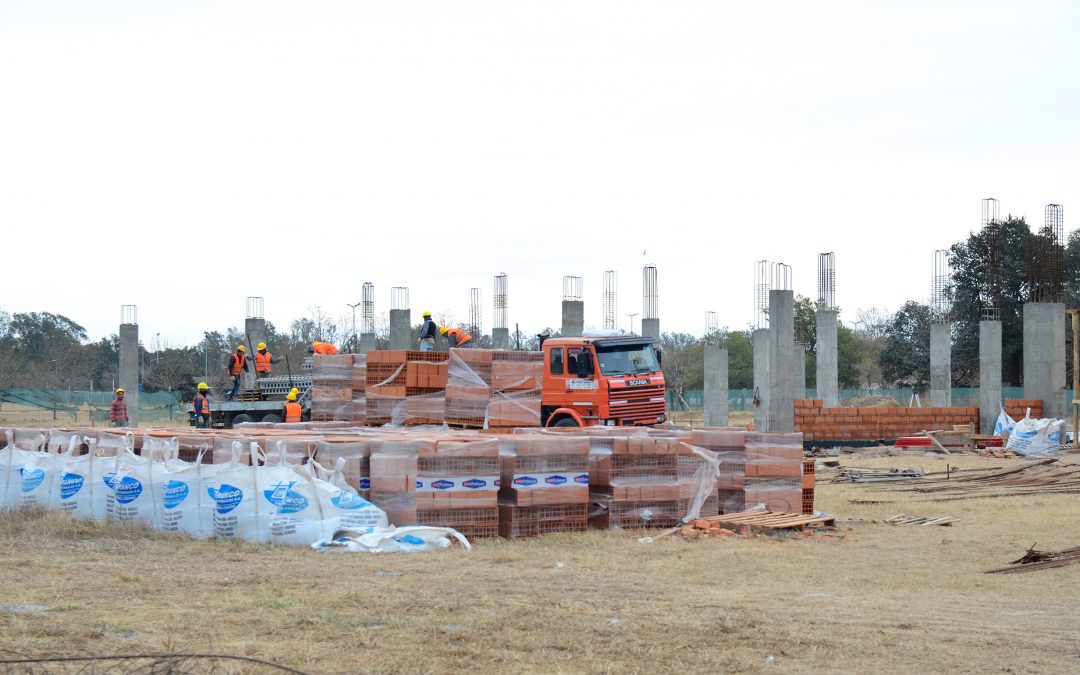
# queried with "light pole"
point(632, 321)
point(353, 348)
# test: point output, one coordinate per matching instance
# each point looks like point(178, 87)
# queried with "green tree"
point(905, 354)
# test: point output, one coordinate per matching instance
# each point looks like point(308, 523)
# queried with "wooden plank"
point(940, 446)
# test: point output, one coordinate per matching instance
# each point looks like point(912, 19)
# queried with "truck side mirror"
point(659, 358)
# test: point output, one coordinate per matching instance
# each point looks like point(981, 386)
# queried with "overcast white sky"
point(182, 156)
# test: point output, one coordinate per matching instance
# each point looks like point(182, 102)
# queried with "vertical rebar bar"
point(129, 314)
point(650, 308)
point(940, 289)
point(367, 309)
point(712, 322)
point(990, 293)
point(254, 307)
point(610, 302)
point(763, 276)
point(781, 277)
point(827, 280)
point(476, 322)
point(500, 319)
point(571, 288)
point(399, 297)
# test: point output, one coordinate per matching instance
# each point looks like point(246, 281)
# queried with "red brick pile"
point(818, 423)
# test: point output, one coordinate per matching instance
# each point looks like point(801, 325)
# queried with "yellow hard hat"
point(426, 314)
point(442, 330)
point(262, 346)
point(119, 390)
point(203, 386)
point(292, 395)
point(241, 348)
point(294, 391)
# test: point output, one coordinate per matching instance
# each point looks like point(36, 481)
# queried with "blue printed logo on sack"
point(127, 490)
point(31, 479)
point(70, 484)
point(442, 484)
point(555, 480)
point(347, 500)
point(582, 479)
point(175, 493)
point(227, 497)
point(285, 498)
point(474, 483)
point(365, 483)
point(524, 480)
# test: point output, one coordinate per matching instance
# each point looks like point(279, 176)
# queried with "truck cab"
point(611, 381)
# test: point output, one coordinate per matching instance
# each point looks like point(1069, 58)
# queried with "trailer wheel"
point(241, 418)
point(566, 422)
point(271, 418)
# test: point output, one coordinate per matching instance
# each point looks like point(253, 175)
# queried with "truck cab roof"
point(600, 341)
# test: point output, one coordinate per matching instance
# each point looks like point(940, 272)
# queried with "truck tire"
point(241, 418)
point(567, 422)
point(271, 418)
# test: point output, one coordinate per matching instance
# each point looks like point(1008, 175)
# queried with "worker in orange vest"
point(263, 361)
point(238, 364)
point(292, 410)
point(322, 348)
point(457, 338)
point(201, 406)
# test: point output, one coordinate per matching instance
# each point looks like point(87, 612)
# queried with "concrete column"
point(401, 329)
point(651, 328)
point(255, 330)
point(828, 377)
point(367, 343)
point(989, 374)
point(1044, 356)
point(781, 383)
point(573, 318)
point(129, 369)
point(716, 386)
point(500, 337)
point(940, 365)
point(760, 339)
point(798, 371)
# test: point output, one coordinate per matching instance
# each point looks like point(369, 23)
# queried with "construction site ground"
point(867, 597)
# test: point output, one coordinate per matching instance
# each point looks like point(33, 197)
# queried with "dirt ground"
point(868, 597)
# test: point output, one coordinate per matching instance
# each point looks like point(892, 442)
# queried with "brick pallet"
point(544, 484)
point(489, 388)
point(405, 387)
point(756, 468)
point(332, 387)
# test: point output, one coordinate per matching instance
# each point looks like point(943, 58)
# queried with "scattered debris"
point(1040, 560)
point(998, 453)
point(1035, 478)
point(853, 475)
point(902, 519)
point(746, 523)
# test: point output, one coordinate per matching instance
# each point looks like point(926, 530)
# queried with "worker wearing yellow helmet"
point(263, 361)
point(238, 364)
point(292, 412)
point(118, 410)
point(457, 337)
point(427, 334)
point(200, 406)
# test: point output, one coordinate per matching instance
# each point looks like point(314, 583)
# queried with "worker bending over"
point(238, 364)
point(457, 338)
point(427, 334)
point(324, 348)
point(264, 361)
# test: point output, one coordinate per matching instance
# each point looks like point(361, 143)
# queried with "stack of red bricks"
point(359, 385)
point(332, 387)
point(544, 484)
point(405, 387)
point(489, 388)
point(818, 423)
point(756, 468)
point(1017, 408)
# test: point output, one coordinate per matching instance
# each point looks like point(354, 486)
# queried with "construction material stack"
point(332, 387)
point(544, 484)
point(359, 386)
point(756, 468)
point(405, 387)
point(489, 388)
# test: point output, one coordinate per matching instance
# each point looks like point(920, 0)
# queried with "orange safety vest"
point(461, 336)
point(293, 411)
point(203, 407)
point(324, 348)
point(262, 362)
point(236, 364)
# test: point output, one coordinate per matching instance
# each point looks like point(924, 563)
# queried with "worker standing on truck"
point(238, 364)
point(292, 410)
point(427, 334)
point(457, 338)
point(324, 348)
point(201, 406)
point(118, 410)
point(263, 361)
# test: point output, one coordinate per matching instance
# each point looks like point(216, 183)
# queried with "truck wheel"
point(566, 422)
point(271, 418)
point(241, 418)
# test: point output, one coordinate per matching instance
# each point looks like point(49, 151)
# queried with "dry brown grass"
point(870, 598)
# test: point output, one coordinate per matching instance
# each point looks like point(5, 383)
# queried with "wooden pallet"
point(769, 520)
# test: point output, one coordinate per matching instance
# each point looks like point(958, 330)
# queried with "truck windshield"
point(627, 359)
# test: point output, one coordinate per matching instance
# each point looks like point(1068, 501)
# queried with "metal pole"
point(1076, 376)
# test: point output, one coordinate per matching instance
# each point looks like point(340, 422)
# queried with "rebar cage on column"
point(399, 297)
point(500, 318)
point(826, 283)
point(611, 299)
point(476, 322)
point(367, 309)
point(571, 288)
point(650, 307)
point(940, 287)
point(129, 314)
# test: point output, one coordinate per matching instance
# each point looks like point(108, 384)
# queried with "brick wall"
point(1016, 408)
point(818, 423)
